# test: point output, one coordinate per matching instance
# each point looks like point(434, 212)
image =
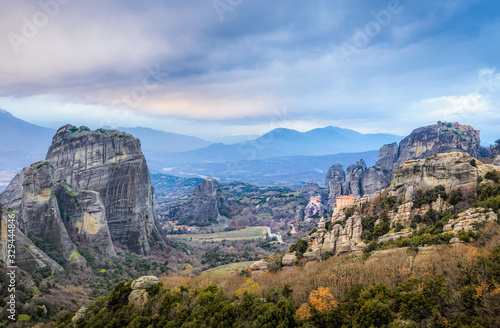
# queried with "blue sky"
point(228, 67)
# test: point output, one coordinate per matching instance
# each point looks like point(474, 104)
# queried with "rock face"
point(31, 196)
point(452, 170)
point(28, 256)
point(335, 177)
point(94, 184)
point(202, 208)
point(139, 295)
point(466, 220)
point(455, 170)
point(110, 163)
point(86, 211)
point(313, 207)
point(420, 144)
point(439, 138)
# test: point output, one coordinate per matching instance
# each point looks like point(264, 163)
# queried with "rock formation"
point(454, 170)
point(451, 170)
point(94, 184)
point(420, 144)
point(313, 208)
point(466, 220)
point(31, 196)
point(28, 256)
point(139, 295)
point(110, 163)
point(202, 208)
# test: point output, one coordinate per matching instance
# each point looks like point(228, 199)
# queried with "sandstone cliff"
point(31, 196)
point(94, 185)
point(420, 144)
point(201, 208)
point(451, 170)
point(447, 172)
point(28, 256)
point(110, 163)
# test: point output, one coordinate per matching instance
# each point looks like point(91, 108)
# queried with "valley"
point(198, 231)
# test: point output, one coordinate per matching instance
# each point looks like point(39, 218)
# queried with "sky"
point(228, 67)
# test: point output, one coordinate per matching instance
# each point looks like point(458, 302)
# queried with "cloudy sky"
point(228, 67)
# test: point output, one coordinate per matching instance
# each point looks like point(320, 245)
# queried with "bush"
point(299, 247)
point(456, 196)
point(493, 176)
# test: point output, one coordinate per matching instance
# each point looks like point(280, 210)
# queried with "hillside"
point(431, 258)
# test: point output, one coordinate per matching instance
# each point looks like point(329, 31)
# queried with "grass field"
point(225, 269)
point(244, 234)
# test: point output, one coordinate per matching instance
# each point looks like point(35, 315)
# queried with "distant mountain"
point(161, 141)
point(229, 140)
point(21, 143)
point(286, 142)
point(275, 171)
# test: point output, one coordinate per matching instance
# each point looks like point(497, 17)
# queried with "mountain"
point(166, 142)
point(21, 144)
point(287, 142)
point(93, 189)
point(428, 193)
point(420, 144)
point(273, 171)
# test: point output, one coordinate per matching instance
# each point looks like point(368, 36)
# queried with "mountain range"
point(266, 156)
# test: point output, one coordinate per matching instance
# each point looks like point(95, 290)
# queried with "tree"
point(374, 313)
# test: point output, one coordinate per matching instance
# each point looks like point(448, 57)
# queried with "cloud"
point(459, 106)
point(96, 57)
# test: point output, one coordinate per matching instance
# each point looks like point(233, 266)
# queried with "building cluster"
point(170, 225)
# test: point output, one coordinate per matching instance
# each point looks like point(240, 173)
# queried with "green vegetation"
point(467, 297)
point(243, 234)
point(113, 166)
point(69, 189)
point(228, 268)
point(299, 247)
point(422, 198)
point(217, 257)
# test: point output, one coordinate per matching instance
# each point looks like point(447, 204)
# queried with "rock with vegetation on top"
point(110, 163)
point(139, 295)
point(202, 208)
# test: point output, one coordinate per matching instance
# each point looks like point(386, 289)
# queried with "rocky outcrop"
point(335, 177)
point(352, 184)
point(289, 259)
point(202, 208)
point(439, 138)
point(110, 163)
point(451, 170)
point(139, 295)
point(28, 256)
point(469, 219)
point(341, 238)
point(455, 170)
point(94, 184)
point(260, 266)
point(420, 144)
point(31, 196)
point(79, 315)
point(313, 208)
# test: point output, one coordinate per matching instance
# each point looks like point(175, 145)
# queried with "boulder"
point(144, 282)
point(79, 315)
point(289, 259)
point(259, 266)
